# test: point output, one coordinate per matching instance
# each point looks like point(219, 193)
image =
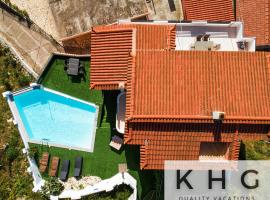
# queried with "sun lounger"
point(54, 166)
point(78, 166)
point(43, 162)
point(64, 170)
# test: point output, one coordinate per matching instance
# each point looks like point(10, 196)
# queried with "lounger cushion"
point(64, 170)
point(78, 166)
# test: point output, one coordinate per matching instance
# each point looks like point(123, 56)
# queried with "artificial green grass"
point(103, 162)
point(57, 79)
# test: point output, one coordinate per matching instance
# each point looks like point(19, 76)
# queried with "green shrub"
point(20, 186)
point(15, 182)
point(7, 85)
point(25, 13)
point(13, 140)
point(7, 2)
point(51, 187)
point(22, 12)
point(11, 153)
point(256, 150)
point(33, 152)
point(10, 61)
point(24, 80)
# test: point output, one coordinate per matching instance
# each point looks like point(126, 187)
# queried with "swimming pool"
point(56, 119)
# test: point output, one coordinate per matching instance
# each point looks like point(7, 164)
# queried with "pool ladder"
point(45, 140)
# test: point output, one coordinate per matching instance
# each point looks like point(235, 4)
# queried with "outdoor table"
point(73, 66)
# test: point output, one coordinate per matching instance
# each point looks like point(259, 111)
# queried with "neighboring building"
point(183, 104)
point(256, 17)
point(210, 10)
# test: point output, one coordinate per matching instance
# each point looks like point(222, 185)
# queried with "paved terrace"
point(165, 9)
point(73, 17)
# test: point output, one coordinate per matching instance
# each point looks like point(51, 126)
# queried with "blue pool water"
point(57, 119)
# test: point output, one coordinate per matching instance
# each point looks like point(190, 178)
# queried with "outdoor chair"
point(43, 162)
point(206, 37)
point(81, 71)
point(54, 166)
point(64, 170)
point(116, 142)
point(78, 166)
point(199, 37)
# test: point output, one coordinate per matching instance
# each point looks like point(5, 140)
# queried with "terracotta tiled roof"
point(210, 10)
point(175, 141)
point(112, 46)
point(138, 133)
point(189, 85)
point(256, 17)
point(171, 94)
point(77, 44)
point(148, 36)
point(110, 54)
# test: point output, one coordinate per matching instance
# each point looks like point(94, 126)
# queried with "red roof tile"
point(110, 54)
point(190, 85)
point(210, 10)
point(148, 36)
point(111, 47)
point(77, 44)
point(255, 15)
point(138, 133)
point(171, 94)
point(175, 141)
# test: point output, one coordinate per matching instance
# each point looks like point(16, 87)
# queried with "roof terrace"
point(203, 35)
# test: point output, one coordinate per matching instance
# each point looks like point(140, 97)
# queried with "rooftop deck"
point(224, 35)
